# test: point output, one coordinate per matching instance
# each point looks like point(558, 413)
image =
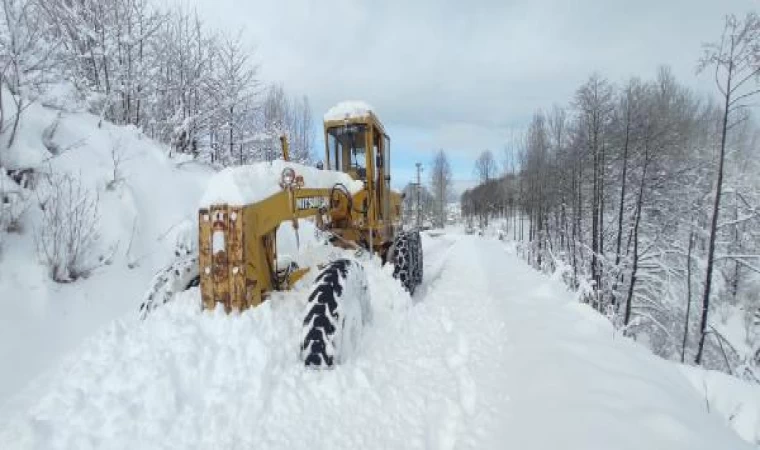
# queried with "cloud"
point(464, 137)
point(463, 74)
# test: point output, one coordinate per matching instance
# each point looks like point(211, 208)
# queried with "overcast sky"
point(461, 75)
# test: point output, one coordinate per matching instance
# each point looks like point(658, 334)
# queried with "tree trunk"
point(232, 142)
point(595, 218)
point(688, 297)
point(600, 288)
point(574, 236)
point(637, 222)
point(16, 119)
point(736, 248)
point(621, 205)
point(714, 222)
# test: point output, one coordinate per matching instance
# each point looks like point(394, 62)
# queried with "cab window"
point(347, 152)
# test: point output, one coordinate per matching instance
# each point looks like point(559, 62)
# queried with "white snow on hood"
point(251, 183)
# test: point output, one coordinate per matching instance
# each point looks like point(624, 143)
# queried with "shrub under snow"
point(68, 227)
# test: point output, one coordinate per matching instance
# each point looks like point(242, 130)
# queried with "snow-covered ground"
point(735, 400)
point(488, 354)
point(142, 217)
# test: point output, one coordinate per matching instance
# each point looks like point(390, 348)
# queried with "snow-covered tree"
point(27, 57)
point(620, 191)
point(736, 59)
point(440, 184)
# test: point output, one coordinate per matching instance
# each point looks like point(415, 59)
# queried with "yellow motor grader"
point(237, 264)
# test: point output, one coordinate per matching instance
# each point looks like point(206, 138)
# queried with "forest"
point(162, 71)
point(643, 196)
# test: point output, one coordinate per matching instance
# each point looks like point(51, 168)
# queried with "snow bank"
point(29, 148)
point(481, 360)
point(252, 183)
point(190, 379)
point(352, 109)
point(735, 400)
point(143, 214)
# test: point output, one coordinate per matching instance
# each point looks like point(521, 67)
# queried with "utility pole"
point(419, 188)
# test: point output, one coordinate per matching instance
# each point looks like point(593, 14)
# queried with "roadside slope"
point(142, 216)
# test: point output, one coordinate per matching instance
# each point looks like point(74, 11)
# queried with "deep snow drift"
point(144, 215)
point(489, 354)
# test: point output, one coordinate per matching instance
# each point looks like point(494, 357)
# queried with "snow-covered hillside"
point(142, 215)
point(488, 354)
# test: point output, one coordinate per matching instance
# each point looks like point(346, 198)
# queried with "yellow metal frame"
point(240, 273)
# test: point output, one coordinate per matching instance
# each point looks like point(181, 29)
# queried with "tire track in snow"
point(436, 252)
point(472, 342)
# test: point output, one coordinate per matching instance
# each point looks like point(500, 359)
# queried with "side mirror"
point(320, 165)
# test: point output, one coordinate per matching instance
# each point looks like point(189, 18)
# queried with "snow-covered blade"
point(243, 185)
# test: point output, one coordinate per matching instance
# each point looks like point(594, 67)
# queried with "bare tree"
point(627, 117)
point(736, 59)
point(440, 181)
point(106, 51)
point(184, 111)
point(486, 170)
point(302, 131)
point(26, 58)
point(293, 118)
point(593, 101)
point(557, 130)
point(535, 169)
point(234, 88)
point(486, 167)
point(412, 194)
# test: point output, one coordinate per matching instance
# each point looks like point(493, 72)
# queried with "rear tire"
point(180, 276)
point(336, 312)
point(416, 246)
point(403, 263)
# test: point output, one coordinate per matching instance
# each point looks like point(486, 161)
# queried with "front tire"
point(336, 312)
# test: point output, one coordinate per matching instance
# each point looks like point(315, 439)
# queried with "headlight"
point(287, 177)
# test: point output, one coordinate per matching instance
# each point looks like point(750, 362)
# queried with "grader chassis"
point(237, 264)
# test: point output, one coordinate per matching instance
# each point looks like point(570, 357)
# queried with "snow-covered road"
point(488, 354)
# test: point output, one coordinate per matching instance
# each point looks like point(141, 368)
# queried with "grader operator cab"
point(237, 262)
